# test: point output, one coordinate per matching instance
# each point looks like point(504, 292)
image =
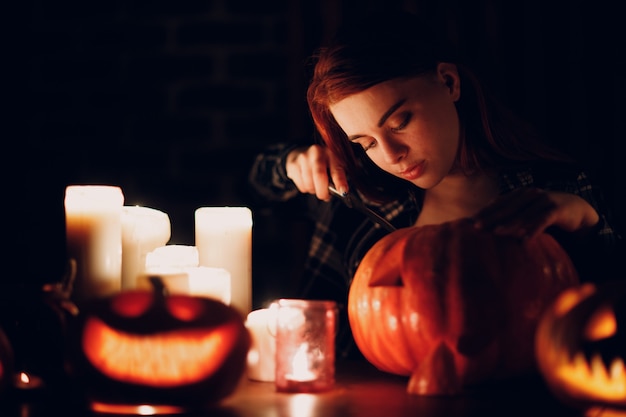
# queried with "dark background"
point(170, 100)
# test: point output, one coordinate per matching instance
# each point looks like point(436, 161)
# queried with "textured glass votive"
point(305, 345)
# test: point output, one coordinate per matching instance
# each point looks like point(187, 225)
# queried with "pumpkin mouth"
point(593, 377)
point(161, 360)
point(586, 373)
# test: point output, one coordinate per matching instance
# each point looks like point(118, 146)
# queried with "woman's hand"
point(313, 168)
point(527, 212)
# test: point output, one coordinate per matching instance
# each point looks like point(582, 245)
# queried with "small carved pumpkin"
point(6, 363)
point(581, 346)
point(147, 347)
point(34, 320)
point(451, 305)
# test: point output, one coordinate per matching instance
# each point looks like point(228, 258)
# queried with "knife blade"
point(355, 203)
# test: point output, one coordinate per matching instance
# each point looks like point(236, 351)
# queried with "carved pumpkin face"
point(450, 305)
point(581, 346)
point(143, 346)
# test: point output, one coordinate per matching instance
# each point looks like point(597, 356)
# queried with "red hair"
point(398, 45)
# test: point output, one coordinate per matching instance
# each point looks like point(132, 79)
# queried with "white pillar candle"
point(200, 281)
point(173, 256)
point(176, 281)
point(262, 354)
point(177, 265)
point(170, 262)
point(224, 240)
point(94, 238)
point(210, 282)
point(143, 230)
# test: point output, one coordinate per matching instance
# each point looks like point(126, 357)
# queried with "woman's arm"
point(568, 206)
point(268, 177)
point(527, 212)
point(282, 170)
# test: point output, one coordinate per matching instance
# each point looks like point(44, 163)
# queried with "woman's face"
point(408, 127)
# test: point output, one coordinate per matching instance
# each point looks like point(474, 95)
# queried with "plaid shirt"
point(342, 236)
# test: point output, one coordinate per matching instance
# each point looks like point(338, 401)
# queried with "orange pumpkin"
point(581, 347)
point(451, 306)
point(147, 347)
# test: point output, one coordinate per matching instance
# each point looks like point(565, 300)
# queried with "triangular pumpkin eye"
point(570, 297)
point(601, 325)
point(184, 308)
point(131, 304)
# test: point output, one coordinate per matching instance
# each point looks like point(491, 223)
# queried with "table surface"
point(360, 390)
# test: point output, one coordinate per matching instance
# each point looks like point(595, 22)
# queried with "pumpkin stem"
point(159, 288)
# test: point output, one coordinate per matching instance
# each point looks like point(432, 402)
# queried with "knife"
point(355, 203)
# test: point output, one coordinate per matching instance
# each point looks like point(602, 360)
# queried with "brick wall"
point(171, 99)
point(167, 99)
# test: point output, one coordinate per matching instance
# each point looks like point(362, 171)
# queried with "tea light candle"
point(224, 240)
point(143, 230)
point(262, 354)
point(305, 345)
point(25, 381)
point(300, 365)
point(94, 238)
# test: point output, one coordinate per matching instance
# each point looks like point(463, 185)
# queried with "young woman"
point(409, 129)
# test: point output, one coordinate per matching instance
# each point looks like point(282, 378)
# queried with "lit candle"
point(224, 240)
point(300, 365)
point(143, 230)
point(94, 238)
point(262, 354)
point(177, 265)
point(305, 345)
point(26, 381)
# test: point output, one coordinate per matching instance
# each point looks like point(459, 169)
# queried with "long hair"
point(396, 44)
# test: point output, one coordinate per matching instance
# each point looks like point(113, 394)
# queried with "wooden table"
point(360, 391)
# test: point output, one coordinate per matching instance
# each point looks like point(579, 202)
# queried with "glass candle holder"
point(305, 345)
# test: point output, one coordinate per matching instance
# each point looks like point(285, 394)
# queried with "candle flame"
point(300, 365)
point(24, 378)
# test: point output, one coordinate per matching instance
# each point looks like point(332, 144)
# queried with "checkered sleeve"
point(267, 176)
point(583, 187)
point(597, 254)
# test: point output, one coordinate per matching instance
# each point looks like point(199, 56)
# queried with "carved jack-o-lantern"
point(581, 346)
point(147, 347)
point(450, 305)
